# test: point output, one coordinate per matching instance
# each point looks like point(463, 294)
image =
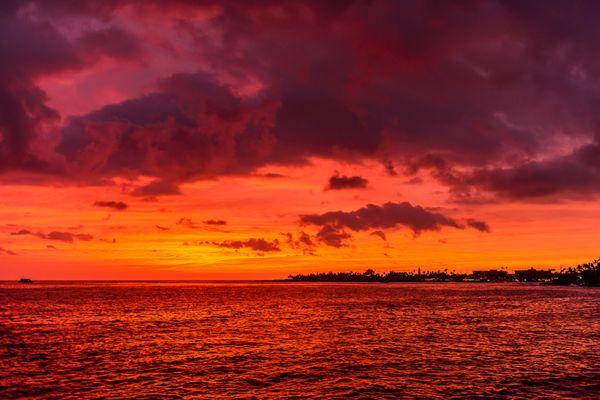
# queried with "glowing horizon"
point(234, 141)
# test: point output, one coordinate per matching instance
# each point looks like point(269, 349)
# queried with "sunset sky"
point(254, 139)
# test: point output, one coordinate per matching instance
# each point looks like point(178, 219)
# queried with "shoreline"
point(41, 282)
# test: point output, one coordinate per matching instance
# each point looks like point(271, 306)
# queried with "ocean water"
point(286, 340)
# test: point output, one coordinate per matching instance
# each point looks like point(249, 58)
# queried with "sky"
point(257, 139)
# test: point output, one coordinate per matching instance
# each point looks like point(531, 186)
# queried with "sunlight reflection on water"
point(274, 340)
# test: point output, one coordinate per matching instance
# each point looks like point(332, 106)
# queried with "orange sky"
point(385, 135)
point(522, 235)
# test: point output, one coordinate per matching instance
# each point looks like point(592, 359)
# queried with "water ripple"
point(221, 341)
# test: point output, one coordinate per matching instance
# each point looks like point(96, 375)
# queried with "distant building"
point(492, 275)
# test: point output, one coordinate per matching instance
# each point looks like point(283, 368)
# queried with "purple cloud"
point(454, 81)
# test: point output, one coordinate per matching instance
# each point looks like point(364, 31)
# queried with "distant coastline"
point(582, 275)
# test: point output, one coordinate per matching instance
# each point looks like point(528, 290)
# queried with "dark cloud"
point(68, 236)
point(22, 111)
point(479, 225)
point(574, 175)
point(157, 188)
point(414, 181)
point(161, 228)
point(116, 205)
point(112, 41)
point(494, 88)
point(571, 176)
point(339, 182)
point(59, 236)
point(271, 175)
point(33, 47)
point(380, 234)
point(304, 242)
point(260, 244)
point(390, 168)
point(56, 235)
point(21, 232)
point(215, 222)
point(187, 222)
point(333, 236)
point(388, 215)
point(305, 239)
point(210, 130)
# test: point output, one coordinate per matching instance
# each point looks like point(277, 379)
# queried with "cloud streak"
point(115, 205)
point(256, 244)
point(4, 251)
point(67, 237)
point(219, 222)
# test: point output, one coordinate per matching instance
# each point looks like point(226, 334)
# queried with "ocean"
point(269, 340)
